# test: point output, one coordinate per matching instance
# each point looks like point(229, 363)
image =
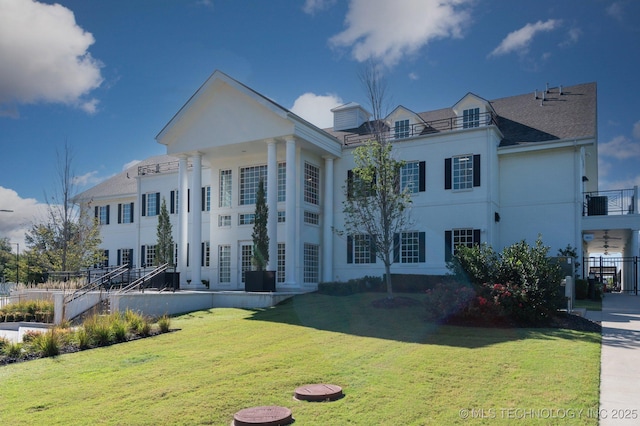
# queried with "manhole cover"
point(319, 392)
point(263, 416)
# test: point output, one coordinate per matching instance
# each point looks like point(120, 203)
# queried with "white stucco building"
point(481, 171)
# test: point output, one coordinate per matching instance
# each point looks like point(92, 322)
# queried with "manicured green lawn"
point(394, 368)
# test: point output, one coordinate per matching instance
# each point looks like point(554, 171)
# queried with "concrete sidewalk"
point(620, 363)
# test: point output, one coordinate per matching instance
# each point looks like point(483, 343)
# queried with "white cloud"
point(620, 147)
point(413, 76)
point(90, 178)
point(313, 6)
point(387, 31)
point(44, 56)
point(520, 40)
point(316, 109)
point(25, 211)
point(616, 11)
point(573, 35)
point(636, 130)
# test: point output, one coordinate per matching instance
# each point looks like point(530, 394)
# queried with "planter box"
point(260, 281)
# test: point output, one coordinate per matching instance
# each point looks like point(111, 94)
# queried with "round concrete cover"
point(319, 392)
point(263, 416)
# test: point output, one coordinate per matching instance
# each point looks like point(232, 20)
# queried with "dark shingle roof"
point(522, 118)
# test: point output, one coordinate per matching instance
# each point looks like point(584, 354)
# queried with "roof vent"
point(349, 116)
point(561, 89)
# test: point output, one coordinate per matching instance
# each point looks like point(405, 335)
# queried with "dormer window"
point(471, 118)
point(402, 129)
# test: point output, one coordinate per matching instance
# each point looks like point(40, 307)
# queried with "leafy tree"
point(375, 204)
point(69, 239)
point(5, 259)
point(259, 235)
point(71, 247)
point(164, 249)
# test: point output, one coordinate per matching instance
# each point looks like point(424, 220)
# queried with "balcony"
point(169, 167)
point(610, 203)
point(425, 128)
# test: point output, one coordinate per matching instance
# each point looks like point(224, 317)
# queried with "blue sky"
point(104, 77)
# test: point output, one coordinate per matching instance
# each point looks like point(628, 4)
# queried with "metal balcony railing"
point(606, 203)
point(426, 128)
point(150, 169)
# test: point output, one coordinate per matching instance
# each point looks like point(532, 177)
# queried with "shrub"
point(82, 338)
point(118, 329)
point(13, 350)
point(520, 283)
point(446, 300)
point(164, 323)
point(30, 335)
point(47, 344)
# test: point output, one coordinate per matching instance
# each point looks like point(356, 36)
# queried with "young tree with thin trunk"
point(376, 208)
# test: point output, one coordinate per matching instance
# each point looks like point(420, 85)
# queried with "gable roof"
point(122, 184)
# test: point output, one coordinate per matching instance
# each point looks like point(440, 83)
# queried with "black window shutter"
point(349, 183)
point(372, 249)
point(423, 176)
point(189, 200)
point(142, 253)
point(157, 203)
point(119, 257)
point(421, 247)
point(106, 259)
point(108, 214)
point(131, 258)
point(396, 248)
point(476, 237)
point(202, 254)
point(96, 212)
point(203, 199)
point(188, 253)
point(131, 213)
point(349, 249)
point(172, 202)
point(476, 170)
point(448, 252)
point(119, 215)
point(447, 173)
point(144, 204)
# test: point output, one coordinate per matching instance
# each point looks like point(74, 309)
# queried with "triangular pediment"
point(224, 112)
point(469, 101)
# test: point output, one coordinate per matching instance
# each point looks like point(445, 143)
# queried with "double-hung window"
point(250, 178)
point(409, 247)
point(360, 249)
point(455, 238)
point(471, 118)
point(402, 129)
point(125, 213)
point(102, 214)
point(151, 204)
point(462, 172)
point(412, 177)
point(311, 184)
point(225, 189)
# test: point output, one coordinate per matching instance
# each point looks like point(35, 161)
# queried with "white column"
point(183, 218)
point(195, 241)
point(291, 245)
point(272, 204)
point(327, 223)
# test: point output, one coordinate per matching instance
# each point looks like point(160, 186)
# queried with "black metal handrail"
point(426, 128)
point(606, 203)
point(139, 283)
